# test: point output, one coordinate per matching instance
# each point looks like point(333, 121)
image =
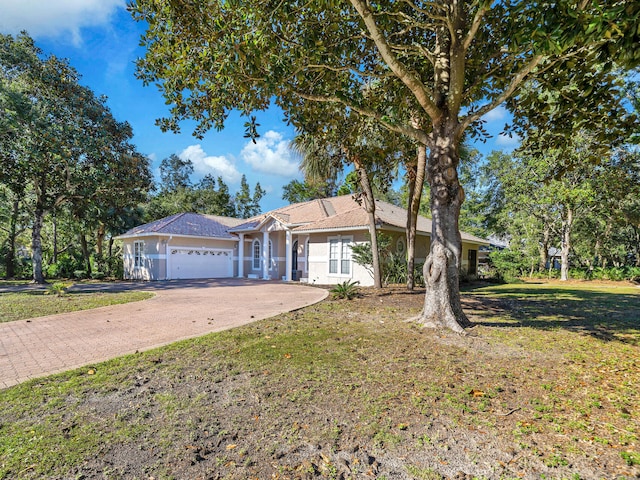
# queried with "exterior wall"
point(318, 271)
point(423, 244)
point(155, 254)
point(465, 257)
point(278, 265)
point(154, 259)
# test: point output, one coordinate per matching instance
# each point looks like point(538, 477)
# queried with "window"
point(256, 254)
point(306, 255)
point(138, 254)
point(340, 256)
point(270, 253)
point(400, 246)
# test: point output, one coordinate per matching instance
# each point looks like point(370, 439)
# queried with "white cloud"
point(47, 18)
point(496, 115)
point(204, 164)
point(271, 154)
point(507, 141)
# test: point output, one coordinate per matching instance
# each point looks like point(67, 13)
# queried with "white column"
point(241, 256)
point(265, 255)
point(167, 254)
point(288, 257)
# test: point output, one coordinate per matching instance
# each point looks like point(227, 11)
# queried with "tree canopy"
point(61, 147)
point(428, 70)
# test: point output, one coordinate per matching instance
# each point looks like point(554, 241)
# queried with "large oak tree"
point(61, 140)
point(443, 62)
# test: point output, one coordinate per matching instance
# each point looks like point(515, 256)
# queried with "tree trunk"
point(566, 245)
point(10, 257)
point(370, 207)
point(543, 248)
point(637, 232)
point(36, 244)
point(85, 254)
point(416, 185)
point(442, 307)
point(55, 237)
point(100, 239)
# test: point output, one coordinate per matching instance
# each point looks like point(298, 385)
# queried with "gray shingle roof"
point(191, 224)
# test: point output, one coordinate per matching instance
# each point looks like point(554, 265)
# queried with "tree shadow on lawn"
point(607, 316)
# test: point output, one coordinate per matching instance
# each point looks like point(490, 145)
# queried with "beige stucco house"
point(309, 242)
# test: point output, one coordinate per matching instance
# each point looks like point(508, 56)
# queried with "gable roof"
point(187, 224)
point(321, 215)
point(340, 213)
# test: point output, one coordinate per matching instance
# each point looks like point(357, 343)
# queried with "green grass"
point(602, 311)
point(24, 305)
point(543, 371)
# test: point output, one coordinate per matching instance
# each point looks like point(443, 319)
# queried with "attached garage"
point(182, 246)
point(191, 263)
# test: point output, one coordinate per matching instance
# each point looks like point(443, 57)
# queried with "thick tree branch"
point(517, 79)
point(411, 132)
point(409, 78)
point(473, 30)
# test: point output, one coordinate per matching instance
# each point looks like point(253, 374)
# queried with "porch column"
point(289, 260)
point(265, 255)
point(241, 256)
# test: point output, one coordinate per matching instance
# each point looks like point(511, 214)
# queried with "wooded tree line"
point(71, 178)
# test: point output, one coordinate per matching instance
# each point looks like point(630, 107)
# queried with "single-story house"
point(309, 242)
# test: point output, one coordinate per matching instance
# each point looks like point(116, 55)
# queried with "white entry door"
point(200, 263)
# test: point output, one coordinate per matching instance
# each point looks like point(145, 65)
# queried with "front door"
point(473, 262)
point(294, 256)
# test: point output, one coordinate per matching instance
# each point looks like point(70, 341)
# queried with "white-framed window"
point(257, 254)
point(138, 254)
point(306, 255)
point(401, 246)
point(270, 254)
point(340, 255)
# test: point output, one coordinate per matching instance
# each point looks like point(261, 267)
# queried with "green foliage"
point(80, 274)
point(296, 191)
point(175, 173)
point(631, 458)
point(345, 71)
point(61, 144)
point(392, 264)
point(346, 290)
point(65, 267)
point(508, 264)
point(60, 289)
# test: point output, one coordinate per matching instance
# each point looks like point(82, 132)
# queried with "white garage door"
point(200, 263)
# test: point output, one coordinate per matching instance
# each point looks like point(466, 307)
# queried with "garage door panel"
point(189, 263)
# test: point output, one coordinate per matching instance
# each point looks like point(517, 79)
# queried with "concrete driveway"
point(180, 310)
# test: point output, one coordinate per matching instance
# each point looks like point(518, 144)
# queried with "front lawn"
point(545, 385)
point(31, 304)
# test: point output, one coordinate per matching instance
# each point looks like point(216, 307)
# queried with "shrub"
point(395, 269)
point(98, 275)
point(64, 267)
point(79, 274)
point(509, 264)
point(345, 290)
point(59, 289)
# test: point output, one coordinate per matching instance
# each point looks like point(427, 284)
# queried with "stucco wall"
point(318, 271)
point(155, 254)
point(154, 260)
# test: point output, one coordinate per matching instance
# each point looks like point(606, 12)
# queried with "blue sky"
point(101, 41)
